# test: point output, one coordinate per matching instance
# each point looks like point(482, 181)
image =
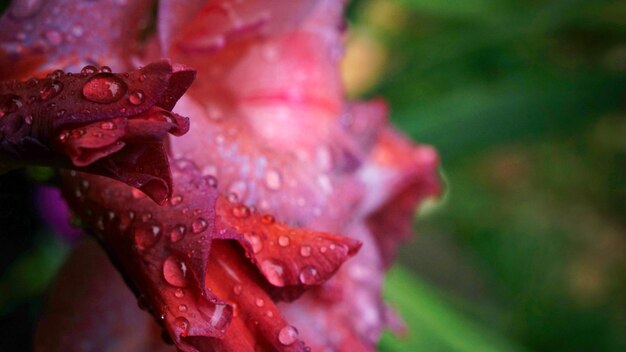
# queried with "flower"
point(270, 133)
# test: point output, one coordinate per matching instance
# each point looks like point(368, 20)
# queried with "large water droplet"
point(108, 126)
point(50, 89)
point(89, 70)
point(136, 97)
point(177, 233)
point(104, 88)
point(309, 275)
point(147, 235)
point(183, 324)
point(199, 225)
point(274, 272)
point(175, 272)
point(287, 335)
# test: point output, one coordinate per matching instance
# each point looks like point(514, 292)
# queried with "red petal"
point(105, 123)
point(165, 249)
point(285, 256)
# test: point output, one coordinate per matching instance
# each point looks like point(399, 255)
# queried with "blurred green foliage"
point(524, 101)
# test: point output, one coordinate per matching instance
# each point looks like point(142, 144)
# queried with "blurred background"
point(525, 101)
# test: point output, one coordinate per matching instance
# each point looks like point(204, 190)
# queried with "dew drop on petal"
point(241, 211)
point(199, 225)
point(308, 275)
point(50, 90)
point(175, 272)
point(283, 241)
point(136, 97)
point(28, 119)
point(274, 272)
point(237, 289)
point(147, 235)
point(89, 70)
point(267, 219)
point(255, 242)
point(179, 293)
point(305, 251)
point(104, 88)
point(182, 307)
point(177, 233)
point(273, 180)
point(259, 302)
point(108, 126)
point(287, 335)
point(175, 200)
point(183, 324)
point(105, 69)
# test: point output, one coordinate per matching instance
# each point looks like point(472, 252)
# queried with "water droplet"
point(283, 241)
point(61, 113)
point(146, 216)
point(255, 242)
point(136, 97)
point(323, 249)
point(241, 211)
point(147, 235)
point(28, 119)
point(177, 233)
point(305, 251)
point(237, 289)
point(267, 219)
point(309, 275)
point(179, 293)
point(259, 302)
point(9, 103)
point(104, 88)
point(199, 225)
point(288, 335)
point(239, 188)
point(50, 89)
point(175, 200)
point(274, 272)
point(182, 307)
point(137, 194)
point(105, 69)
point(175, 272)
point(183, 324)
point(108, 126)
point(89, 70)
point(273, 180)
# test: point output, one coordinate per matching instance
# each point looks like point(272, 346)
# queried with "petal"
point(100, 122)
point(39, 35)
point(285, 256)
point(165, 249)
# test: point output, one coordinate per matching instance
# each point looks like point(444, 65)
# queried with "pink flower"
point(270, 133)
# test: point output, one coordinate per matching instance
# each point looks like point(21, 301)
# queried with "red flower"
point(271, 133)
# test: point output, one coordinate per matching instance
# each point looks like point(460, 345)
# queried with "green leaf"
point(433, 323)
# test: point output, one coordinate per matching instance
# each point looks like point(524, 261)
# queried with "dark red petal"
point(99, 122)
point(285, 256)
point(70, 34)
